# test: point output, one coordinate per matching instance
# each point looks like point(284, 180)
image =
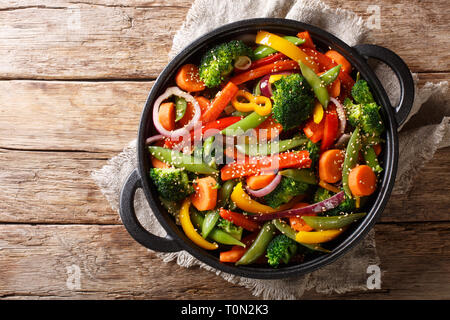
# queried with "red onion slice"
point(154, 138)
point(342, 141)
point(318, 207)
point(341, 115)
point(267, 189)
point(175, 91)
point(266, 87)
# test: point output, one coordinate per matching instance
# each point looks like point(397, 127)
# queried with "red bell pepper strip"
point(269, 59)
point(220, 102)
point(217, 125)
point(308, 40)
point(239, 219)
point(327, 63)
point(330, 128)
point(255, 165)
point(263, 70)
point(314, 131)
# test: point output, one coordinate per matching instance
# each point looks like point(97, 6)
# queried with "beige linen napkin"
point(420, 137)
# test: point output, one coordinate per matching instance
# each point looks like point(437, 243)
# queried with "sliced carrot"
point(308, 40)
point(362, 181)
point(156, 163)
point(203, 102)
point(187, 78)
point(339, 59)
point(220, 102)
point(205, 196)
point(330, 165)
point(167, 115)
point(297, 223)
point(259, 181)
point(271, 128)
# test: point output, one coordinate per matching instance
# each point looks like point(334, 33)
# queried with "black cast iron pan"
point(357, 55)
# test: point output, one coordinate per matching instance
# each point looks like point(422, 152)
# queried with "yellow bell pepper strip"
point(318, 113)
point(286, 47)
point(260, 104)
point(245, 202)
point(312, 237)
point(189, 229)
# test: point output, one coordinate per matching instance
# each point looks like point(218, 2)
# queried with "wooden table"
point(74, 78)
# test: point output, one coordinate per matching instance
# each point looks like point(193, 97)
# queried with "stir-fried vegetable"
point(274, 154)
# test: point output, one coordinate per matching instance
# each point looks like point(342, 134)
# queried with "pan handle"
point(132, 224)
point(401, 71)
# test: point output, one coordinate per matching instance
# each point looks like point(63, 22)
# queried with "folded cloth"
point(420, 137)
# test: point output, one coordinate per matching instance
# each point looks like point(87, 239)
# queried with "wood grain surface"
point(73, 80)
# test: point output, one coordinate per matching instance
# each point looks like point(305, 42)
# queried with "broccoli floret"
point(314, 150)
point(280, 250)
point(367, 116)
point(218, 62)
point(230, 228)
point(321, 194)
point(346, 206)
point(293, 101)
point(172, 183)
point(285, 191)
point(361, 92)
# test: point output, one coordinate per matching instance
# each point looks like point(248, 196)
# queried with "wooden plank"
point(54, 115)
point(130, 39)
point(43, 187)
point(80, 115)
point(56, 187)
point(41, 261)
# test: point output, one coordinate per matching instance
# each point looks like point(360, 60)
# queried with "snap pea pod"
point(216, 234)
point(259, 246)
point(371, 159)
point(225, 192)
point(333, 222)
point(331, 75)
point(316, 84)
point(290, 233)
point(180, 160)
point(351, 159)
point(249, 122)
point(257, 89)
point(209, 222)
point(240, 113)
point(301, 175)
point(270, 148)
point(263, 51)
point(180, 107)
point(208, 145)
